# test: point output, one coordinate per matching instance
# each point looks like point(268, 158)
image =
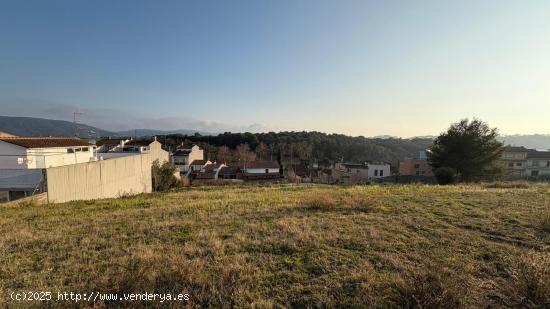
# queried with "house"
point(123, 145)
point(229, 172)
point(514, 162)
point(378, 170)
point(210, 171)
point(523, 163)
point(197, 166)
point(418, 166)
point(43, 152)
point(351, 173)
point(182, 157)
point(260, 170)
point(538, 164)
point(111, 144)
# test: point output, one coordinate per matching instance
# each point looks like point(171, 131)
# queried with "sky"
point(401, 68)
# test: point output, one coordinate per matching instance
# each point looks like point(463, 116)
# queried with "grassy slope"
point(290, 246)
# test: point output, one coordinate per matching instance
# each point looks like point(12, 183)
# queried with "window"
point(510, 164)
point(267, 171)
point(534, 173)
point(381, 173)
point(417, 172)
point(70, 150)
point(548, 164)
point(417, 166)
point(78, 149)
point(375, 172)
point(535, 163)
point(86, 149)
point(518, 164)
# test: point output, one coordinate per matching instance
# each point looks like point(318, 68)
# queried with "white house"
point(183, 157)
point(43, 152)
point(378, 170)
point(111, 144)
point(352, 173)
point(260, 170)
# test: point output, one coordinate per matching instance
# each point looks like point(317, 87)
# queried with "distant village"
point(61, 169)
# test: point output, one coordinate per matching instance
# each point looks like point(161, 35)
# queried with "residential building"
point(43, 152)
point(184, 156)
point(229, 172)
point(523, 163)
point(377, 170)
point(197, 166)
point(351, 173)
point(210, 171)
point(514, 162)
point(418, 166)
point(111, 144)
point(260, 170)
point(123, 145)
point(538, 164)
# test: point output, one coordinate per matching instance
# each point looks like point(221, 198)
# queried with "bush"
point(445, 175)
point(163, 176)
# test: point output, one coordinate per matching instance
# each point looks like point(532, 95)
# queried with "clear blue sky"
point(356, 67)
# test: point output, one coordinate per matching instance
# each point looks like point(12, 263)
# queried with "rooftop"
point(259, 164)
point(198, 162)
point(515, 149)
point(537, 154)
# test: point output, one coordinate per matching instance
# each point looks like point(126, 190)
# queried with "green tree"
point(470, 148)
point(163, 176)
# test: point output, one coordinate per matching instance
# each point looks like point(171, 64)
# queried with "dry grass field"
point(410, 246)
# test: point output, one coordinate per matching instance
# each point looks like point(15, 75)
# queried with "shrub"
point(316, 200)
point(163, 176)
point(445, 175)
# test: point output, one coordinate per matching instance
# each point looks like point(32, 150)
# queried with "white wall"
point(385, 168)
point(58, 156)
point(9, 153)
point(103, 179)
point(261, 170)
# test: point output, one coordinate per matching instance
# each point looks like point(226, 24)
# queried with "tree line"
point(301, 147)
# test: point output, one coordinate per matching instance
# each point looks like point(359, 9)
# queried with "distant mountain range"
point(151, 132)
point(28, 126)
point(535, 141)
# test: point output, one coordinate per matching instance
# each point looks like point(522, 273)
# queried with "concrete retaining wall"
point(104, 179)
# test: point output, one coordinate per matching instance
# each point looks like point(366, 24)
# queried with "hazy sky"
point(356, 67)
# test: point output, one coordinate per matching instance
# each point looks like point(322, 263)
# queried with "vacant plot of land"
point(288, 246)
